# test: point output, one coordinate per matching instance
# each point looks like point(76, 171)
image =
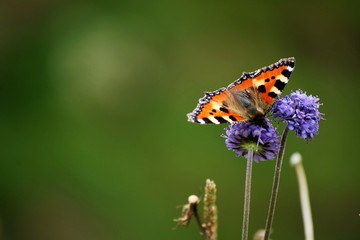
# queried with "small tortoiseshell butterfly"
point(249, 98)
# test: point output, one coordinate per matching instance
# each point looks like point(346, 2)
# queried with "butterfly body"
point(249, 98)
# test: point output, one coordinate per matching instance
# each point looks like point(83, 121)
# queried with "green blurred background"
point(95, 143)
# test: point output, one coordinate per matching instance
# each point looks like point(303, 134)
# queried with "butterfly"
point(249, 98)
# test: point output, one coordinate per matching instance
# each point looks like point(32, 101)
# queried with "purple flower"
point(263, 139)
point(300, 112)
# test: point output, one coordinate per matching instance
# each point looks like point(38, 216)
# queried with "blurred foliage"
point(93, 103)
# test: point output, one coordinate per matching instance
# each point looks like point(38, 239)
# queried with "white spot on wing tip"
point(228, 119)
point(214, 120)
point(283, 79)
point(201, 121)
point(275, 90)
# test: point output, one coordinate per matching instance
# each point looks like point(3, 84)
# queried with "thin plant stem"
point(275, 187)
point(198, 220)
point(245, 227)
point(296, 161)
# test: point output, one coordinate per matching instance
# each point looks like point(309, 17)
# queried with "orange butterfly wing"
point(268, 81)
point(211, 109)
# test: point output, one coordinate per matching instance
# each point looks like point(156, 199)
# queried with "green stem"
point(245, 227)
point(276, 182)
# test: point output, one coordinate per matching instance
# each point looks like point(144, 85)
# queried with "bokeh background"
point(95, 143)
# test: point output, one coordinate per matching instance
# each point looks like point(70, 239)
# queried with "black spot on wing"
point(291, 64)
point(279, 84)
point(262, 88)
point(206, 120)
point(272, 77)
point(272, 94)
point(214, 111)
point(286, 73)
point(224, 110)
point(221, 119)
point(267, 80)
point(232, 118)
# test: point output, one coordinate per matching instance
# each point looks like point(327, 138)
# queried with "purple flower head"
point(263, 139)
point(300, 112)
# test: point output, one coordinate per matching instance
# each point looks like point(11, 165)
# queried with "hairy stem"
point(245, 227)
point(210, 210)
point(276, 182)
